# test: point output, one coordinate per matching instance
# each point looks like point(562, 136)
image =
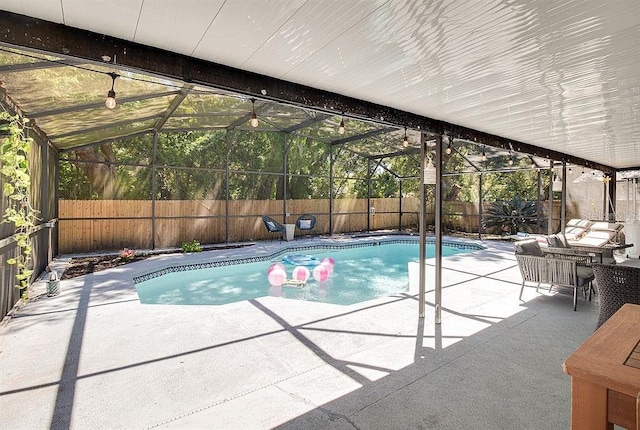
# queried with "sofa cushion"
point(528, 247)
point(574, 233)
point(606, 226)
point(305, 223)
point(557, 241)
point(595, 238)
point(577, 222)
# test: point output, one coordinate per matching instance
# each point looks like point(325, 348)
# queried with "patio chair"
point(617, 285)
point(306, 222)
point(273, 226)
point(561, 271)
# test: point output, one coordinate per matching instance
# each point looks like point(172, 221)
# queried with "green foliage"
point(16, 187)
point(193, 246)
point(511, 216)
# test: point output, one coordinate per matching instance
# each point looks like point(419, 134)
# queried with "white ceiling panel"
point(308, 30)
point(118, 18)
point(48, 10)
point(243, 27)
point(559, 75)
point(162, 24)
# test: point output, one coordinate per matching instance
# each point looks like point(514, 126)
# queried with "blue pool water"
point(359, 274)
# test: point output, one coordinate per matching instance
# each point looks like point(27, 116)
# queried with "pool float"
point(301, 260)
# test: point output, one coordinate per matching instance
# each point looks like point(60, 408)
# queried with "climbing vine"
point(16, 184)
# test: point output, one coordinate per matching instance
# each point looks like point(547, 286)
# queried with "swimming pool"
point(360, 273)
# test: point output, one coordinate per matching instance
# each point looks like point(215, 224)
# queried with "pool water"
point(359, 274)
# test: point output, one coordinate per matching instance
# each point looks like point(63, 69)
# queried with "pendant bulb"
point(110, 102)
point(254, 117)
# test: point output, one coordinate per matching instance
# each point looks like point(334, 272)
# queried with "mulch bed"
point(84, 265)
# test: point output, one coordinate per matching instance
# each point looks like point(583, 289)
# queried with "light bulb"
point(484, 156)
point(510, 161)
point(341, 127)
point(254, 118)
point(449, 150)
point(110, 102)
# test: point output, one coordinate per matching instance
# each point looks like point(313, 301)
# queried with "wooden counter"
point(605, 375)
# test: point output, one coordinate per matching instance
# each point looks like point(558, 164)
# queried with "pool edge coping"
point(332, 244)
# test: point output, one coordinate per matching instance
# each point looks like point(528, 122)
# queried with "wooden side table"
point(605, 375)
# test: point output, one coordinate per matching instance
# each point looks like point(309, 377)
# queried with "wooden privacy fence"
point(98, 225)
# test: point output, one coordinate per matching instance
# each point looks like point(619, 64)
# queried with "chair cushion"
point(596, 238)
point(574, 233)
point(271, 225)
point(585, 274)
point(582, 223)
point(528, 247)
point(305, 223)
point(557, 241)
point(606, 226)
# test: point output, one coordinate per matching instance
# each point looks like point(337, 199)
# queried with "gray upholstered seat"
point(542, 268)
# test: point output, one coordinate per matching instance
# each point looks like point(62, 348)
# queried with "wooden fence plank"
point(179, 221)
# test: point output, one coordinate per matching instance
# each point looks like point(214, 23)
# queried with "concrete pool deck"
point(94, 357)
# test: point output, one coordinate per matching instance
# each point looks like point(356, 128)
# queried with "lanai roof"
point(558, 80)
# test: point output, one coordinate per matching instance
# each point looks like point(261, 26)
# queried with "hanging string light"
point(510, 161)
point(405, 142)
point(449, 149)
point(484, 154)
point(341, 126)
point(110, 102)
point(254, 117)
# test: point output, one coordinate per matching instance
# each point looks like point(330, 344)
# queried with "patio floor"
point(94, 357)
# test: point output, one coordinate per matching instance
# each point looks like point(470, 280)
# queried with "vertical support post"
point(628, 199)
point(611, 207)
point(480, 199)
point(330, 190)
point(539, 202)
point(422, 268)
point(438, 222)
point(44, 195)
point(285, 177)
point(154, 186)
point(56, 208)
point(227, 226)
point(400, 205)
point(369, 215)
point(550, 215)
point(563, 201)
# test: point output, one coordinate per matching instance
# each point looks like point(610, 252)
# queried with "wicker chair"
point(306, 222)
point(617, 285)
point(540, 268)
point(273, 226)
